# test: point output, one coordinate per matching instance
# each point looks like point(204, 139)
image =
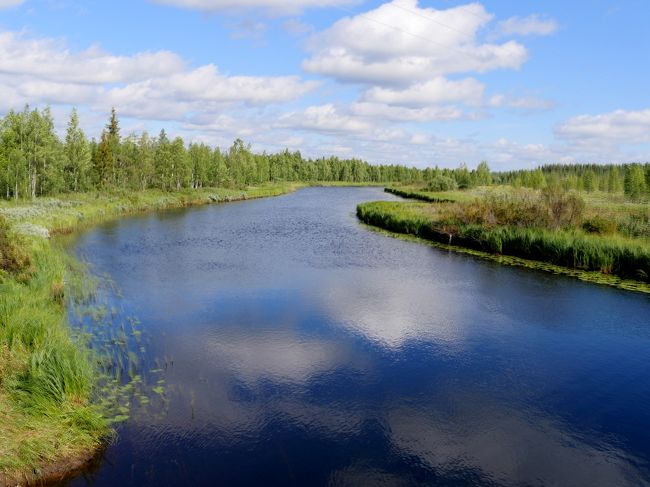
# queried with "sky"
point(416, 82)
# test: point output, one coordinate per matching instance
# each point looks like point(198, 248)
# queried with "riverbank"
point(49, 423)
point(482, 227)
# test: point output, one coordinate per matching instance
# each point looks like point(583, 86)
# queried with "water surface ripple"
point(299, 348)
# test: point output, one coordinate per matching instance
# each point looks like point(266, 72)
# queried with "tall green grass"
point(47, 378)
point(569, 248)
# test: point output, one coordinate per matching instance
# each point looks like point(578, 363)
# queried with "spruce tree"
point(634, 184)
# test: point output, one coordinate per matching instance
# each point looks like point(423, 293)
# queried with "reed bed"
point(572, 248)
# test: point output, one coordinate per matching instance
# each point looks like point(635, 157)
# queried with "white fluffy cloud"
point(526, 26)
point(280, 7)
point(433, 92)
point(50, 59)
point(155, 85)
point(206, 84)
point(617, 127)
point(393, 113)
point(324, 118)
point(400, 43)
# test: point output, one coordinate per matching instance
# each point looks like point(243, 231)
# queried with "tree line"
point(35, 161)
point(631, 179)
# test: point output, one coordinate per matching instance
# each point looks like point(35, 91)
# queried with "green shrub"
point(599, 225)
point(13, 258)
point(442, 183)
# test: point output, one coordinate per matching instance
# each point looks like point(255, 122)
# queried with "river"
point(297, 347)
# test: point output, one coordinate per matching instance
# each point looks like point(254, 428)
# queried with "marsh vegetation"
point(595, 232)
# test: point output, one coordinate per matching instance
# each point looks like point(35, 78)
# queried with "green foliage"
point(634, 184)
point(599, 225)
point(582, 177)
point(34, 162)
point(463, 177)
point(567, 248)
point(442, 183)
point(482, 175)
point(564, 208)
point(589, 181)
point(77, 156)
point(13, 258)
point(46, 378)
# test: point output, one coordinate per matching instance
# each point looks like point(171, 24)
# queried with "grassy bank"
point(603, 213)
point(67, 213)
point(48, 378)
point(427, 196)
point(531, 226)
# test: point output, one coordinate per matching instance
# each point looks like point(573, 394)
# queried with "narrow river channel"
point(289, 345)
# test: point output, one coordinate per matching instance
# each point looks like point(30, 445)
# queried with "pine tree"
point(634, 183)
point(589, 181)
point(164, 162)
point(117, 174)
point(104, 161)
point(613, 181)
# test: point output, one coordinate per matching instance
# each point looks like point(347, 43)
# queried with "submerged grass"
point(51, 409)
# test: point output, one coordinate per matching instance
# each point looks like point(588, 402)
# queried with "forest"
point(34, 161)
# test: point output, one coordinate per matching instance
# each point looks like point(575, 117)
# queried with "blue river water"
point(291, 345)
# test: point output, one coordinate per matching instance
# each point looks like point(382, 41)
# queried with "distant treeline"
point(632, 179)
point(34, 161)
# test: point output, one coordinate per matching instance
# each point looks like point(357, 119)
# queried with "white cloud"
point(617, 127)
point(433, 92)
point(277, 7)
point(324, 118)
point(10, 3)
point(506, 154)
point(50, 59)
point(398, 43)
point(389, 113)
point(206, 84)
point(526, 26)
point(154, 85)
point(498, 442)
point(528, 103)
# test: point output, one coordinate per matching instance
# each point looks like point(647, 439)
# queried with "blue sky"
point(429, 82)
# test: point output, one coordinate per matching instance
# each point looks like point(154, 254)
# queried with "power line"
point(460, 7)
point(463, 7)
point(431, 19)
point(392, 4)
